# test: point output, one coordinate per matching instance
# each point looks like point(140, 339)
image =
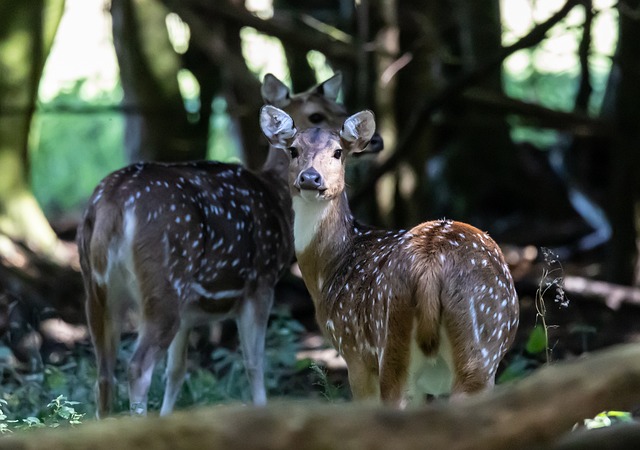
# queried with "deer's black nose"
point(310, 179)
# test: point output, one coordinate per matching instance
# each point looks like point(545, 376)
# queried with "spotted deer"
point(430, 310)
point(188, 244)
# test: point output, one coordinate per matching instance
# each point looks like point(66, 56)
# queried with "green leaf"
point(537, 342)
point(517, 369)
point(608, 418)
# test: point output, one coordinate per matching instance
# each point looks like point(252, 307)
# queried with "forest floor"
point(301, 364)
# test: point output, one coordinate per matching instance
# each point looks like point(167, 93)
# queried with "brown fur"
point(375, 291)
point(191, 243)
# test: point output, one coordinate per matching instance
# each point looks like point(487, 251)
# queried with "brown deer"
point(187, 244)
point(428, 310)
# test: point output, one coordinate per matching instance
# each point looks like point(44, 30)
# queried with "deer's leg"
point(252, 320)
point(470, 371)
point(159, 323)
point(176, 368)
point(153, 342)
point(364, 383)
point(105, 335)
point(140, 371)
point(394, 367)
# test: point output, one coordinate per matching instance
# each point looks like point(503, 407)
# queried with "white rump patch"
point(119, 276)
point(430, 375)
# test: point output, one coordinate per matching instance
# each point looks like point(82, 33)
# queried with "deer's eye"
point(293, 152)
point(316, 118)
point(337, 154)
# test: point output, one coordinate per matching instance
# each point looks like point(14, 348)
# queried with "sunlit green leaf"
point(537, 342)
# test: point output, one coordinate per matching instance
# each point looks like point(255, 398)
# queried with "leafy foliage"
point(537, 346)
point(59, 411)
point(224, 381)
point(76, 144)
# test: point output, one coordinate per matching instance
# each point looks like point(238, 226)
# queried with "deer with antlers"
point(429, 310)
point(187, 244)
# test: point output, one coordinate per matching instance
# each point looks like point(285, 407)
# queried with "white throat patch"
point(307, 217)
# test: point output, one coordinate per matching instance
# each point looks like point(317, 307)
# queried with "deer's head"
point(317, 156)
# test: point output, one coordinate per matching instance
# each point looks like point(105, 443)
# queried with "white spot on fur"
point(474, 319)
point(218, 295)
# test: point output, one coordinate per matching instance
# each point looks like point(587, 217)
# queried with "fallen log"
point(533, 413)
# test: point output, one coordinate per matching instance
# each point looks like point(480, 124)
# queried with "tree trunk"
point(419, 74)
point(621, 105)
point(26, 35)
point(244, 96)
point(156, 125)
point(480, 148)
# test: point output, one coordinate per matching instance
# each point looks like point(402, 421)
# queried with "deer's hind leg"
point(364, 382)
point(105, 335)
point(471, 370)
point(160, 319)
point(395, 364)
point(176, 369)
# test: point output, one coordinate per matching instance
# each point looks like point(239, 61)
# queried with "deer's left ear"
point(274, 92)
point(358, 130)
point(277, 126)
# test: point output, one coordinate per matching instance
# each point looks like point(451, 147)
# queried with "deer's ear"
point(358, 130)
point(277, 126)
point(275, 92)
point(330, 88)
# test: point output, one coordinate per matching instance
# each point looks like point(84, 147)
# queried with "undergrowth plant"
point(283, 338)
point(537, 345)
point(24, 396)
point(551, 283)
point(330, 391)
point(59, 411)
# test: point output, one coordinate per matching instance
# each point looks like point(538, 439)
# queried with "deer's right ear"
point(277, 126)
point(274, 92)
point(358, 130)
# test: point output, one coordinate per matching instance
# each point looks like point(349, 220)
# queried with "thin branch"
point(292, 32)
point(536, 115)
point(613, 295)
point(585, 89)
point(422, 114)
point(212, 42)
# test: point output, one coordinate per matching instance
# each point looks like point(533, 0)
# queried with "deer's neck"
point(323, 231)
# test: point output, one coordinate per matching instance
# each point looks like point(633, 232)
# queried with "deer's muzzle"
point(310, 179)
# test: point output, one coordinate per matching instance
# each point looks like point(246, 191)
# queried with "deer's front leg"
point(252, 320)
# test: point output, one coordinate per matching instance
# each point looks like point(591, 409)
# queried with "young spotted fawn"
point(429, 310)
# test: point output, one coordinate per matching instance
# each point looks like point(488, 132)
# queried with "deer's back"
point(212, 226)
